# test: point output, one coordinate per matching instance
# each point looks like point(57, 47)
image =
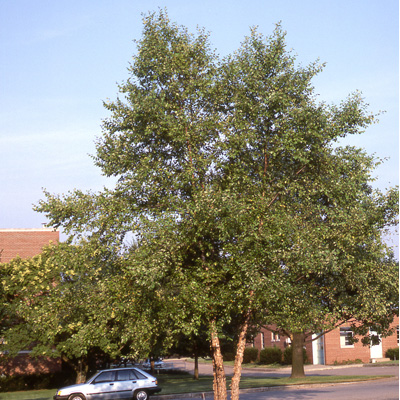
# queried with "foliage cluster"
point(271, 355)
point(15, 383)
point(348, 362)
point(393, 353)
point(250, 355)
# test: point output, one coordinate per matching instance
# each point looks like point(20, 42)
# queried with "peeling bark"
point(219, 384)
point(237, 369)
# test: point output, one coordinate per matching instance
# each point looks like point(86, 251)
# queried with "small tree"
point(64, 303)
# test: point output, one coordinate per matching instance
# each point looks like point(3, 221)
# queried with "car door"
point(103, 387)
point(125, 383)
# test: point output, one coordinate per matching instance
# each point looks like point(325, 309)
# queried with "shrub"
point(393, 354)
point(348, 362)
point(271, 355)
point(250, 355)
point(287, 356)
point(32, 382)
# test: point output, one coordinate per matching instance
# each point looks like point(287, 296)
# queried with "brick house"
point(333, 347)
point(268, 337)
point(26, 243)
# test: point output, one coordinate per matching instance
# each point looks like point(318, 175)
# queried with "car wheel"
point(76, 397)
point(141, 395)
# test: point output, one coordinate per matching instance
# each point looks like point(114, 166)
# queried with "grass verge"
point(175, 384)
point(251, 365)
point(29, 395)
point(383, 363)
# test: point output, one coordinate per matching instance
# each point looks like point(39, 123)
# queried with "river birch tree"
point(221, 164)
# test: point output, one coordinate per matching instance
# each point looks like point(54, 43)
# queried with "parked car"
point(158, 364)
point(110, 384)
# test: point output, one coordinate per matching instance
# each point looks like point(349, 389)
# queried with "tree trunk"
point(219, 385)
point(297, 355)
point(196, 367)
point(237, 369)
point(81, 371)
point(80, 368)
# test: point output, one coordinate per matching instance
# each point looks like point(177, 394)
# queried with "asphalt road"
point(383, 389)
point(375, 390)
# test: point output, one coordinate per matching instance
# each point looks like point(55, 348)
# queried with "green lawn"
point(29, 395)
point(184, 384)
point(176, 384)
point(392, 362)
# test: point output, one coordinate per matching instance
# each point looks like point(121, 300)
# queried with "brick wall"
point(23, 364)
point(270, 340)
point(25, 243)
point(334, 352)
point(391, 342)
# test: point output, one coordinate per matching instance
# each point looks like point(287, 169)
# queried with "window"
point(139, 375)
point(346, 337)
point(125, 375)
point(397, 335)
point(107, 376)
point(262, 340)
point(275, 337)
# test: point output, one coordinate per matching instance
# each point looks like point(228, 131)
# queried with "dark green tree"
point(333, 264)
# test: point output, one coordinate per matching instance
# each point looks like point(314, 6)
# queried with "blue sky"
point(60, 59)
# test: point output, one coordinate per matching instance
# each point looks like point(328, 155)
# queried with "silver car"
point(110, 384)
